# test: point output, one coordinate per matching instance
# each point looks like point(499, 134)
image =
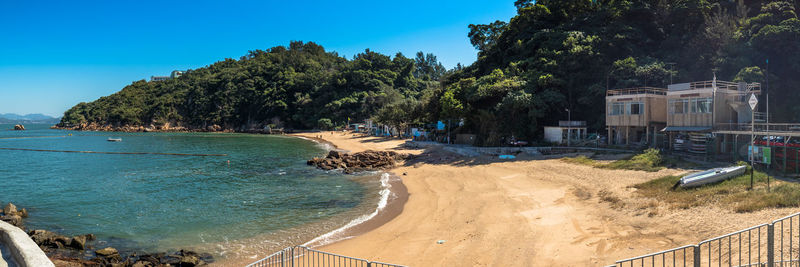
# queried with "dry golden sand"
point(527, 212)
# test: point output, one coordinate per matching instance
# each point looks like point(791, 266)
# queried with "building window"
point(678, 106)
point(635, 108)
point(617, 108)
point(704, 105)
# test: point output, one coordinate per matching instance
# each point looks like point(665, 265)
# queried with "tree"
point(484, 36)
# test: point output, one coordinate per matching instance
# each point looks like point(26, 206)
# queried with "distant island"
point(11, 118)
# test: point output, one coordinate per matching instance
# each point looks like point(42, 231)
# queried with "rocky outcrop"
point(369, 160)
point(111, 257)
point(13, 216)
point(77, 250)
point(107, 252)
point(167, 127)
point(47, 239)
point(19, 127)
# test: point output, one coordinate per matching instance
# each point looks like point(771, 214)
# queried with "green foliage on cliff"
point(556, 55)
point(300, 86)
point(553, 56)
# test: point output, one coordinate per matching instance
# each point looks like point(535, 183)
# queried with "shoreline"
point(398, 196)
point(395, 204)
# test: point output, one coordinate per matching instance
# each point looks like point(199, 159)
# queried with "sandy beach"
point(526, 212)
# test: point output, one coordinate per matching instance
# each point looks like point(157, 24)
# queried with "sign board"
point(439, 125)
point(753, 102)
point(761, 154)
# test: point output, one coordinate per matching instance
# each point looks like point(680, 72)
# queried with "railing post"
point(771, 245)
point(283, 258)
point(696, 255)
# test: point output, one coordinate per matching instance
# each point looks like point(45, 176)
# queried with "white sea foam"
point(336, 235)
point(325, 146)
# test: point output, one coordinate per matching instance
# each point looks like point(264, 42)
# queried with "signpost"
point(753, 102)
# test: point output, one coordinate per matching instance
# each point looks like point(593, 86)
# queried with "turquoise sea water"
point(157, 202)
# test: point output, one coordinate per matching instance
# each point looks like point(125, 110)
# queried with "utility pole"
point(569, 126)
point(753, 102)
point(769, 137)
point(714, 100)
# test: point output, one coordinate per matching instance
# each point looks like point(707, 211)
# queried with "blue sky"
point(54, 54)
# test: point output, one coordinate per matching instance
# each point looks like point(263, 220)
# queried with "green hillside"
point(552, 56)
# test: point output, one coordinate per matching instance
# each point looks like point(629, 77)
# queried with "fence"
point(300, 256)
point(773, 244)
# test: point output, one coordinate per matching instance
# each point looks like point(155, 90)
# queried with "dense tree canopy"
point(563, 54)
point(300, 86)
point(552, 56)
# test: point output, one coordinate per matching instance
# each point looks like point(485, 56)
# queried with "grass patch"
point(650, 160)
point(582, 160)
point(731, 193)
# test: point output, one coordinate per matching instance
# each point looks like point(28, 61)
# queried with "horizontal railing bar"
point(657, 253)
point(731, 234)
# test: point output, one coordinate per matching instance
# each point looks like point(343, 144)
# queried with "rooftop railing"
point(637, 91)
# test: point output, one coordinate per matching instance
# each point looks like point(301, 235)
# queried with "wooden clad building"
point(634, 115)
point(696, 109)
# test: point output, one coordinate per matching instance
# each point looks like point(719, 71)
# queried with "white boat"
point(114, 139)
point(711, 176)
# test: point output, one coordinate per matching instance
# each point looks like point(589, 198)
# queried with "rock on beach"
point(369, 160)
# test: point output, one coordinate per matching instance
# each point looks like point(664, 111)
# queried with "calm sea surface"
point(261, 189)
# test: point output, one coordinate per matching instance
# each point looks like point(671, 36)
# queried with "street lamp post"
point(569, 126)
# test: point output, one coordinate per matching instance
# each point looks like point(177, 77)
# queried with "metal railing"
point(300, 256)
point(773, 244)
point(759, 127)
point(637, 91)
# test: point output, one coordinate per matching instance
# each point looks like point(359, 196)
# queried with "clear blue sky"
point(54, 54)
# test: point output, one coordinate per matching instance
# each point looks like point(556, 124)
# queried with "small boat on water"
point(114, 139)
point(711, 176)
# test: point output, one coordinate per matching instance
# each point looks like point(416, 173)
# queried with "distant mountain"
point(29, 119)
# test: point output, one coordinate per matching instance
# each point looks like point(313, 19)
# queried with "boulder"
point(189, 261)
point(40, 236)
point(10, 209)
point(107, 252)
point(64, 263)
point(14, 220)
point(45, 238)
point(78, 242)
point(23, 213)
point(19, 127)
point(362, 161)
point(171, 259)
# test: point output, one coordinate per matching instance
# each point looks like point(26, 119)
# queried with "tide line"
point(115, 153)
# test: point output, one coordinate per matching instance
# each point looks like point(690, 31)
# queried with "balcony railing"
point(637, 91)
point(758, 127)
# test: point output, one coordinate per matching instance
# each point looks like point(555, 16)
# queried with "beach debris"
point(369, 160)
point(19, 127)
point(440, 242)
point(507, 157)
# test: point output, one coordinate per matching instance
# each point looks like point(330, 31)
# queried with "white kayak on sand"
point(711, 176)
